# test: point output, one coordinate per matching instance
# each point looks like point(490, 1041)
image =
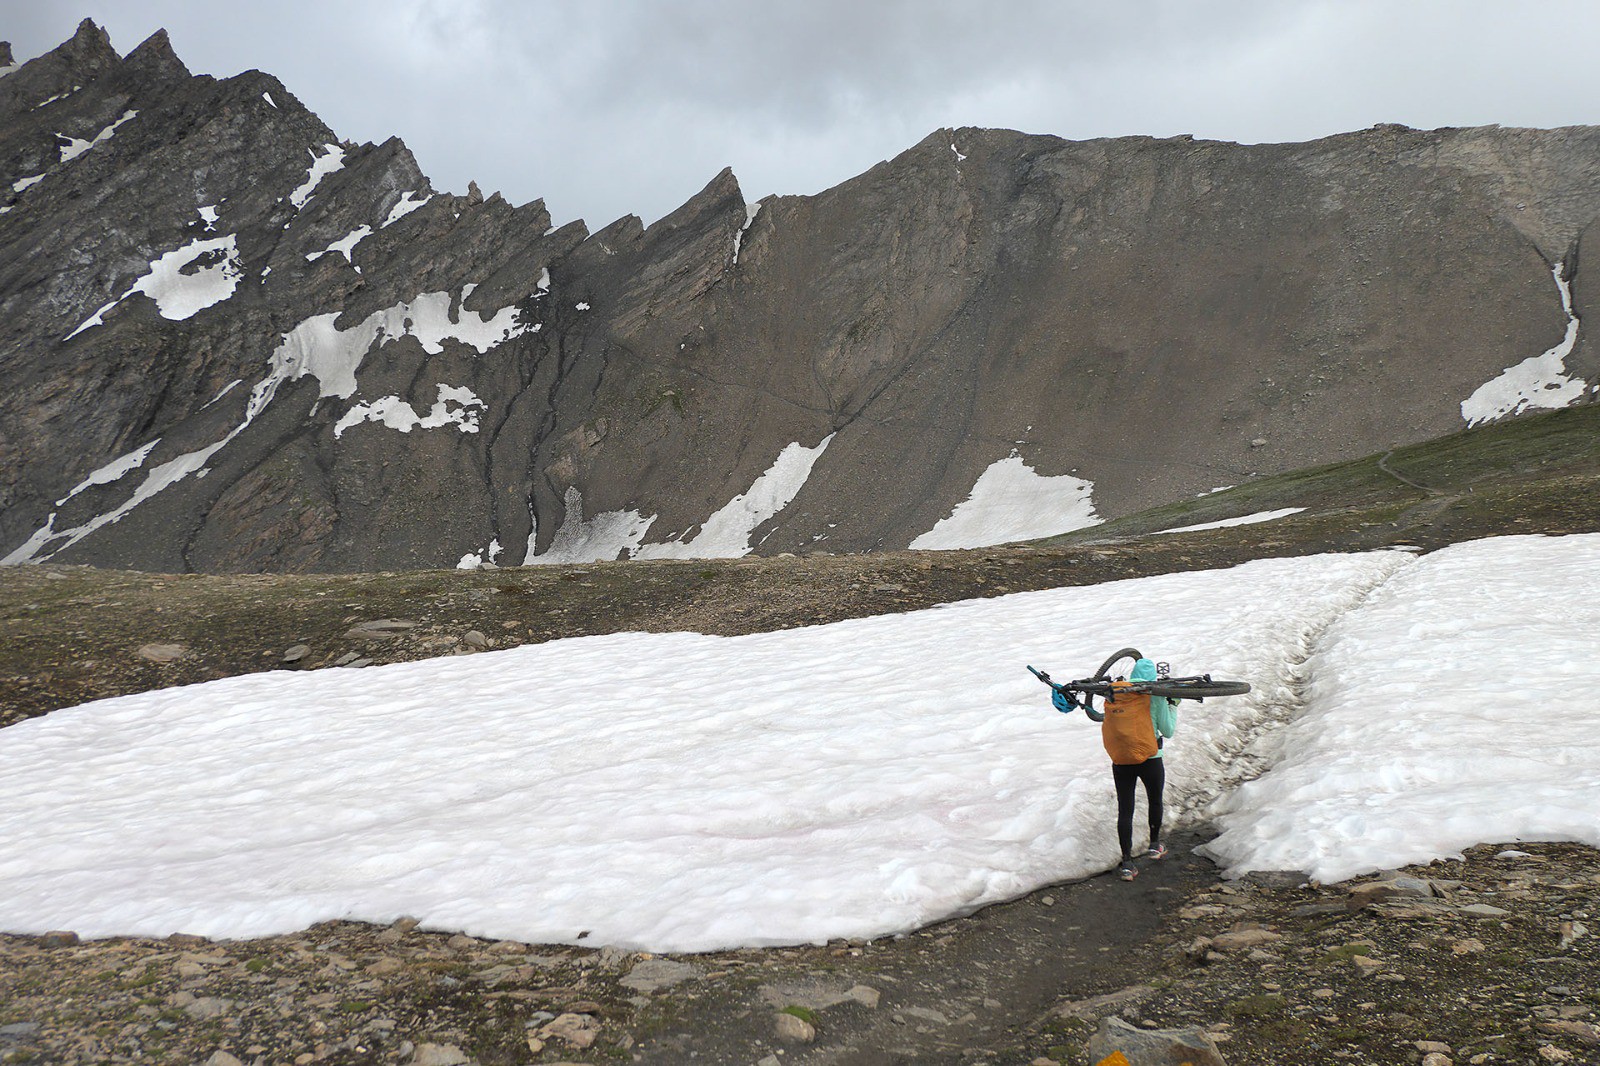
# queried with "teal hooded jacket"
point(1162, 713)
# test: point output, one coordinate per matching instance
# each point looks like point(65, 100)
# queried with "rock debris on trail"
point(1489, 959)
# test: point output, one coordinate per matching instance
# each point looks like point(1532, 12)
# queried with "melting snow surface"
point(478, 560)
point(611, 535)
point(331, 160)
point(1539, 381)
point(726, 534)
point(1242, 520)
point(179, 288)
point(1456, 707)
point(1010, 502)
point(26, 183)
point(76, 146)
point(396, 413)
point(884, 774)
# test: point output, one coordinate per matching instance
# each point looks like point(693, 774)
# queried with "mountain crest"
point(232, 340)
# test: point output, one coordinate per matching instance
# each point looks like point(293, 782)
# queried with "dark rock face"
point(230, 341)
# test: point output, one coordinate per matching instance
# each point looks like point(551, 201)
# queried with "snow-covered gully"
point(1539, 382)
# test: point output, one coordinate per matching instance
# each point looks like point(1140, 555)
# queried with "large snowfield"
point(682, 792)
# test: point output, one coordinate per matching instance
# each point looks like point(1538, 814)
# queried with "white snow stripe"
point(726, 534)
point(1242, 520)
point(1538, 382)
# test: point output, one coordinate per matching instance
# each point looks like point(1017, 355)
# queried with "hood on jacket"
point(1143, 670)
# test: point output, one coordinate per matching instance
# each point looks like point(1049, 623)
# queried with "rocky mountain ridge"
point(230, 341)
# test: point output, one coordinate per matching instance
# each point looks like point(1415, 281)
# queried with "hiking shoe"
point(1157, 851)
point(1127, 871)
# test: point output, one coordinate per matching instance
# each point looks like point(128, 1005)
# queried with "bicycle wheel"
point(1196, 690)
point(1125, 653)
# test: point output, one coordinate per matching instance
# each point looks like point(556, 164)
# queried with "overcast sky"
point(611, 107)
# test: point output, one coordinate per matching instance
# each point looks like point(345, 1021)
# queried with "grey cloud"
point(608, 107)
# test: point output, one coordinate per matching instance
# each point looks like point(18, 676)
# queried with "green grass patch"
point(1519, 452)
point(805, 1014)
point(1346, 952)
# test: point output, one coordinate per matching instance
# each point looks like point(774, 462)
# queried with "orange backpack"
point(1128, 731)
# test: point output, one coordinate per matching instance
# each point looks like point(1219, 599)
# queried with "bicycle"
point(1081, 694)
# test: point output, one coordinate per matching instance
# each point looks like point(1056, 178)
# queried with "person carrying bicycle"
point(1133, 727)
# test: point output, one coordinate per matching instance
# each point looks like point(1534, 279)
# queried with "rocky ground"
point(1489, 959)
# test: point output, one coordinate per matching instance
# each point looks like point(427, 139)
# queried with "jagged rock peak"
point(5, 55)
point(156, 55)
point(89, 46)
point(715, 197)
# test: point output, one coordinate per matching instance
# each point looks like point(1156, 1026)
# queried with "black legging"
point(1153, 772)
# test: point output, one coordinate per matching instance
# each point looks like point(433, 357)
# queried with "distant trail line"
point(1383, 464)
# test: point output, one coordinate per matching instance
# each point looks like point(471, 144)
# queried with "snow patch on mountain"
point(726, 534)
point(397, 414)
point(112, 471)
point(180, 287)
point(1010, 502)
point(1242, 520)
point(332, 355)
point(43, 543)
point(1538, 382)
point(331, 160)
point(610, 535)
point(404, 207)
point(76, 146)
point(750, 213)
point(345, 245)
point(316, 347)
point(489, 557)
